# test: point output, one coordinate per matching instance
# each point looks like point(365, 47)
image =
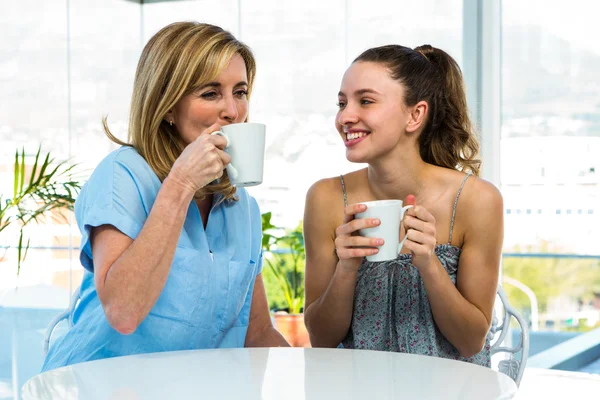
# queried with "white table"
point(276, 373)
point(551, 384)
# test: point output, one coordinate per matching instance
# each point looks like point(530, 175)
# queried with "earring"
point(171, 123)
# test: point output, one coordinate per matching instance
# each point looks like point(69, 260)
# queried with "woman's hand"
point(350, 247)
point(420, 234)
point(201, 162)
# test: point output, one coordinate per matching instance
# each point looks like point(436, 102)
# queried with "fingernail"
point(379, 242)
point(376, 221)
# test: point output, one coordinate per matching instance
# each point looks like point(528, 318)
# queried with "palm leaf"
point(20, 260)
point(35, 164)
point(51, 186)
point(19, 250)
point(43, 168)
point(22, 171)
point(16, 177)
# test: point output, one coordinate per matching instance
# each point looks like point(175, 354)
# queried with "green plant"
point(50, 185)
point(284, 255)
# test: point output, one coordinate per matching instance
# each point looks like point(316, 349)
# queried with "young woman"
point(403, 112)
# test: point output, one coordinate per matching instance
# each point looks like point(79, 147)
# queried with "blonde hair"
point(176, 61)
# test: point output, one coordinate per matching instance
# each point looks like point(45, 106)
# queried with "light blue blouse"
point(205, 302)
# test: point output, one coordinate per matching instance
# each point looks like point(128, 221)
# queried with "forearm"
point(136, 279)
point(270, 337)
point(462, 323)
point(328, 318)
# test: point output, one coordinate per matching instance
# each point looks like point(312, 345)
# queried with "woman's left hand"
point(420, 234)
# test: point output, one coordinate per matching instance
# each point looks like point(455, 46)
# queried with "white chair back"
point(510, 365)
point(67, 314)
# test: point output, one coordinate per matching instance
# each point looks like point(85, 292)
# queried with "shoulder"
point(246, 201)
point(123, 176)
point(246, 207)
point(324, 208)
point(125, 165)
point(479, 193)
point(326, 186)
point(326, 192)
point(481, 203)
point(331, 190)
point(122, 158)
point(128, 158)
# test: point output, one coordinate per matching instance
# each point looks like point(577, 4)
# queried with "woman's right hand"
point(201, 162)
point(350, 247)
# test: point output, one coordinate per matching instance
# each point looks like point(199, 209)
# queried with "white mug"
point(246, 146)
point(391, 214)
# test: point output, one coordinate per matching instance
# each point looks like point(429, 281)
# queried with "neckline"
point(437, 246)
point(198, 233)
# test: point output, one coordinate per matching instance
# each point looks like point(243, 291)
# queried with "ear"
point(417, 117)
point(170, 117)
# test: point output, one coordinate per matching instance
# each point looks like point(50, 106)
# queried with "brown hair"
point(430, 74)
point(175, 62)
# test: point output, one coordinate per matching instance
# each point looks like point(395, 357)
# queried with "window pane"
point(34, 105)
point(223, 13)
point(408, 23)
point(58, 80)
point(299, 48)
point(549, 156)
point(102, 69)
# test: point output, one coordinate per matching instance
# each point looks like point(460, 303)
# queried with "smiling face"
point(372, 115)
point(222, 101)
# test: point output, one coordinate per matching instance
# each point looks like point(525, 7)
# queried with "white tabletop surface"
point(551, 384)
point(276, 373)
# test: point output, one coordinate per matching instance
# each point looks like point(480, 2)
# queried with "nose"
point(229, 111)
point(347, 116)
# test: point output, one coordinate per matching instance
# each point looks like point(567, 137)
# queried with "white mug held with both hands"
point(391, 214)
point(246, 146)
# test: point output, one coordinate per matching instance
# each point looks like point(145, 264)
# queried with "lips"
point(355, 136)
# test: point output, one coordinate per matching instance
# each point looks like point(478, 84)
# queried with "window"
point(563, 118)
point(58, 80)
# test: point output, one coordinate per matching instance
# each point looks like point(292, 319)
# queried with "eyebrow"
point(218, 84)
point(360, 92)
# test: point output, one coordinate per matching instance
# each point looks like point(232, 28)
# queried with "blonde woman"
point(171, 250)
point(403, 112)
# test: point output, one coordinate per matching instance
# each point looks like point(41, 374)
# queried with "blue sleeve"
point(256, 219)
point(114, 195)
point(259, 266)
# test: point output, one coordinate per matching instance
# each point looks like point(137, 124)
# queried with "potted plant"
point(284, 257)
point(37, 189)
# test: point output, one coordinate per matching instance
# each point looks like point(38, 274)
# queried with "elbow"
point(318, 337)
point(472, 347)
point(475, 339)
point(258, 336)
point(317, 342)
point(313, 338)
point(312, 335)
point(119, 321)
point(124, 328)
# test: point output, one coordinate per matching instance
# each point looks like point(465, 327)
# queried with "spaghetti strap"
point(455, 204)
point(344, 190)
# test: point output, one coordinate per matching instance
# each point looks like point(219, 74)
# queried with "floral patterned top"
point(392, 312)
